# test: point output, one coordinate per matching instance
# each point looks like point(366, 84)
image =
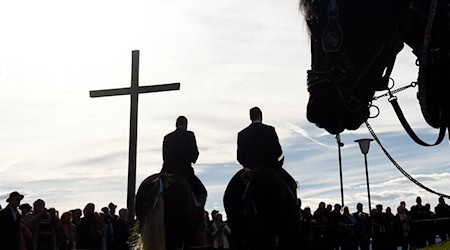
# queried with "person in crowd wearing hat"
point(108, 231)
point(25, 209)
point(10, 222)
point(112, 211)
point(26, 236)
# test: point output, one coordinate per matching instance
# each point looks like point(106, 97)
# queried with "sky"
point(62, 146)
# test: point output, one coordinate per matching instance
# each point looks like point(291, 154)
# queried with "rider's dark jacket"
point(179, 152)
point(258, 146)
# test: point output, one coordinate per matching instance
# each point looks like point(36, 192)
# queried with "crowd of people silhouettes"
point(36, 227)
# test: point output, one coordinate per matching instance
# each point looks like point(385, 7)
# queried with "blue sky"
point(68, 149)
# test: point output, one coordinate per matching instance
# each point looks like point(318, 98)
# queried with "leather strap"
point(409, 130)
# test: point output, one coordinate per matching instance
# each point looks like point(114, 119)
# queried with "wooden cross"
point(134, 92)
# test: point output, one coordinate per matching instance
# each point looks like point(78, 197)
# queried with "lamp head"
point(364, 145)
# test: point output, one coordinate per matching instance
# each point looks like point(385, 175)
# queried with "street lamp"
point(340, 144)
point(364, 145)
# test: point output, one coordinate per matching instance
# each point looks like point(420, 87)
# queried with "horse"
point(262, 210)
point(354, 44)
point(167, 216)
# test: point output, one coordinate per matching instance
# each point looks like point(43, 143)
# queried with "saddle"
point(247, 177)
point(199, 199)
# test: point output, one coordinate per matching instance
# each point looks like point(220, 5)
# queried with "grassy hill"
point(442, 246)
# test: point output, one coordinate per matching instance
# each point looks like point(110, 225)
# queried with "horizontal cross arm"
point(109, 92)
point(141, 89)
point(160, 87)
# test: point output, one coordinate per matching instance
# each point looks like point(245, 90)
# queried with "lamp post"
point(364, 145)
point(340, 144)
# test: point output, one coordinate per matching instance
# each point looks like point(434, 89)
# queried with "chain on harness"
point(390, 91)
point(372, 132)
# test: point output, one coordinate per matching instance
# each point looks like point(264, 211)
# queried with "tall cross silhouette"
point(134, 92)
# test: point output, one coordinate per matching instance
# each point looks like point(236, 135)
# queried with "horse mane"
point(306, 8)
point(153, 232)
point(148, 233)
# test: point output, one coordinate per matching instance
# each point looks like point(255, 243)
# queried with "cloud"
point(60, 145)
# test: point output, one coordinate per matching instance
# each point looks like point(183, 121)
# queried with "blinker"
point(332, 34)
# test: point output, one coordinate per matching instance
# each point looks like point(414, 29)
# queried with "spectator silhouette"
point(26, 239)
point(89, 235)
point(363, 227)
point(76, 216)
point(68, 232)
point(442, 210)
point(336, 224)
point(10, 222)
point(121, 231)
point(112, 211)
point(25, 209)
point(108, 228)
point(348, 235)
point(307, 229)
point(379, 229)
point(403, 204)
point(430, 228)
point(391, 242)
point(402, 225)
point(205, 229)
point(220, 232)
point(418, 213)
point(322, 221)
point(43, 223)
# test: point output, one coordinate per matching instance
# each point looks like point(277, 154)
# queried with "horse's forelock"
point(306, 7)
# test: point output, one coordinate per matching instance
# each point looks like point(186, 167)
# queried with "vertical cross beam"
point(132, 149)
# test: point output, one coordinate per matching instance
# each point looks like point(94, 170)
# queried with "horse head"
point(353, 46)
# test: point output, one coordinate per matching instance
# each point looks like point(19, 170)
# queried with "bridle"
point(338, 69)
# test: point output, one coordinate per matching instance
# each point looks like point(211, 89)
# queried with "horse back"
point(181, 216)
point(261, 210)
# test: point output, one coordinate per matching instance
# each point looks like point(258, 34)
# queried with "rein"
point(386, 54)
point(393, 99)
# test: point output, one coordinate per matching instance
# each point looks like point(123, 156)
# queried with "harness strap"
point(249, 204)
point(159, 192)
point(408, 129)
point(427, 36)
